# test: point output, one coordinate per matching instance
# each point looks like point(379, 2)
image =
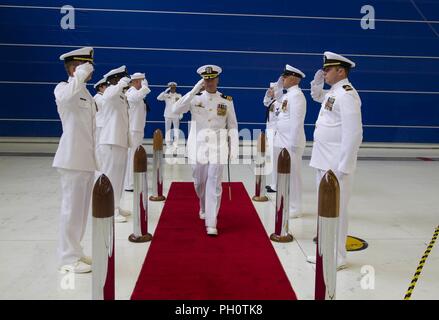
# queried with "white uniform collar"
point(212, 94)
point(70, 79)
point(340, 83)
point(293, 88)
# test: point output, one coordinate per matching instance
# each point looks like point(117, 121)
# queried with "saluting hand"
point(84, 70)
point(125, 81)
point(270, 93)
point(198, 86)
point(319, 77)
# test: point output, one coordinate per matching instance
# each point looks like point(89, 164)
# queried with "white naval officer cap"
point(137, 75)
point(102, 81)
point(333, 59)
point(291, 71)
point(209, 71)
point(83, 54)
point(118, 72)
point(172, 84)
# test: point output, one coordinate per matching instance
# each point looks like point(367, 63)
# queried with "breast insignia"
point(329, 103)
point(285, 106)
point(221, 109)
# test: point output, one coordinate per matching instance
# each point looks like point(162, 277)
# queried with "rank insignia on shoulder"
point(199, 93)
point(221, 110)
point(284, 106)
point(347, 87)
point(329, 103)
point(226, 97)
point(83, 99)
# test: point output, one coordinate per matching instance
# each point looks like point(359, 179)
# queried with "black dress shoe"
point(129, 190)
point(314, 239)
point(269, 189)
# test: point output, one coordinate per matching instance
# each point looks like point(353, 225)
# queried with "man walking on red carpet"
point(213, 121)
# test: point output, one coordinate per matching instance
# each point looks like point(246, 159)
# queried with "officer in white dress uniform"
point(137, 115)
point(338, 134)
point(75, 157)
point(115, 140)
point(213, 120)
point(100, 87)
point(170, 96)
point(273, 92)
point(289, 132)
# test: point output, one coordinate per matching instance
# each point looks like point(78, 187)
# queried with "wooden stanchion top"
point(261, 143)
point(284, 162)
point(103, 198)
point(139, 162)
point(158, 140)
point(329, 196)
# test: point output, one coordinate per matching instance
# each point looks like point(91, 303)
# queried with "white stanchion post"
point(103, 287)
point(140, 198)
point(281, 233)
point(327, 235)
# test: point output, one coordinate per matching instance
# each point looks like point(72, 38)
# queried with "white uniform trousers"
point(345, 194)
point(273, 176)
point(295, 178)
point(76, 190)
point(97, 151)
point(136, 141)
point(176, 123)
point(207, 182)
point(114, 162)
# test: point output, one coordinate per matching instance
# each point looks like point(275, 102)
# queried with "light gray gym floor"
point(394, 207)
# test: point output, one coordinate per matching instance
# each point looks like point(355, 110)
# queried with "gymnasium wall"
point(397, 62)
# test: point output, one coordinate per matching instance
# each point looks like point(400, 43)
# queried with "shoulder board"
point(199, 93)
point(347, 87)
point(226, 97)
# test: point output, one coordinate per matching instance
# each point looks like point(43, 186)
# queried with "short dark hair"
point(68, 64)
point(346, 69)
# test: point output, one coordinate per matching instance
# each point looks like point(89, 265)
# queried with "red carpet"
point(183, 263)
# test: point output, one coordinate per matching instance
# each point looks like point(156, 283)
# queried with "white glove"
point(180, 116)
point(270, 93)
point(279, 84)
point(125, 81)
point(319, 78)
point(167, 90)
point(144, 83)
point(198, 86)
point(278, 93)
point(84, 70)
